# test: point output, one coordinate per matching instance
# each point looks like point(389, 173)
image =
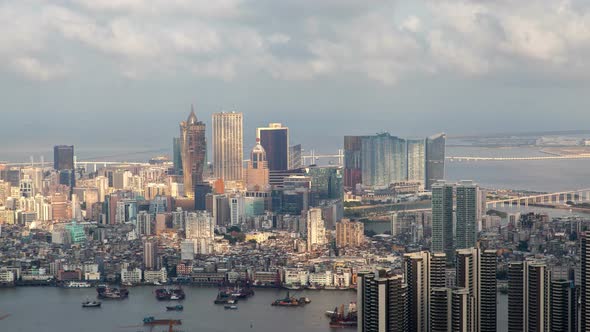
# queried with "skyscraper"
point(416, 160)
point(440, 309)
point(438, 264)
point(257, 175)
point(467, 211)
point(228, 140)
point(442, 219)
point(275, 140)
point(177, 156)
point(381, 302)
point(487, 301)
point(193, 147)
point(352, 161)
point(537, 297)
point(63, 157)
point(516, 297)
point(529, 294)
point(585, 281)
point(417, 272)
point(467, 278)
point(461, 310)
point(563, 305)
point(435, 159)
point(383, 160)
point(295, 156)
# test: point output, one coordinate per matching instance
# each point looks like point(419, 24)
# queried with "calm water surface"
point(57, 310)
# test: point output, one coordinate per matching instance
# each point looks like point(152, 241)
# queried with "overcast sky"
point(123, 73)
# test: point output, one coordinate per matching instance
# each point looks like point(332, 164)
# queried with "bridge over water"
point(564, 157)
point(577, 196)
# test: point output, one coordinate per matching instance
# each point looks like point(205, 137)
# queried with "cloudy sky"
point(114, 73)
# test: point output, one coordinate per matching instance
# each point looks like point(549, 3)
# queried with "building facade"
point(193, 150)
point(275, 140)
point(228, 142)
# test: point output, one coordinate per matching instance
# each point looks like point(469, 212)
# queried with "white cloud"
point(36, 70)
point(297, 39)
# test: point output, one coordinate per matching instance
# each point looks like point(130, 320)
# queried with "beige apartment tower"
point(349, 233)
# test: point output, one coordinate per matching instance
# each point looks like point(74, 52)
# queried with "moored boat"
point(177, 307)
point(151, 321)
point(91, 304)
point(230, 307)
point(290, 301)
point(106, 292)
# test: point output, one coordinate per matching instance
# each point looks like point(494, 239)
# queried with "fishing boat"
point(230, 307)
point(291, 301)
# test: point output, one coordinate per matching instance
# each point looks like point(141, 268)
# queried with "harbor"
point(56, 307)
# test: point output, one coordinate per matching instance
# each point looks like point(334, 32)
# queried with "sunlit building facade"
point(228, 154)
point(193, 147)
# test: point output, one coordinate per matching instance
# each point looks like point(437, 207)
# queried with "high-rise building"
point(201, 191)
point(381, 302)
point(228, 144)
point(537, 297)
point(326, 183)
point(257, 173)
point(438, 270)
point(193, 147)
point(417, 273)
point(221, 210)
point(516, 297)
point(440, 309)
point(442, 219)
point(352, 161)
point(275, 140)
point(349, 233)
point(316, 230)
point(476, 272)
point(461, 310)
point(177, 156)
point(466, 212)
point(529, 296)
point(563, 305)
point(487, 301)
point(416, 160)
point(150, 255)
point(435, 159)
point(295, 157)
point(383, 160)
point(63, 157)
point(584, 281)
point(467, 279)
point(200, 229)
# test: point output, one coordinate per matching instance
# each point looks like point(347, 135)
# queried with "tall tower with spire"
point(193, 148)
